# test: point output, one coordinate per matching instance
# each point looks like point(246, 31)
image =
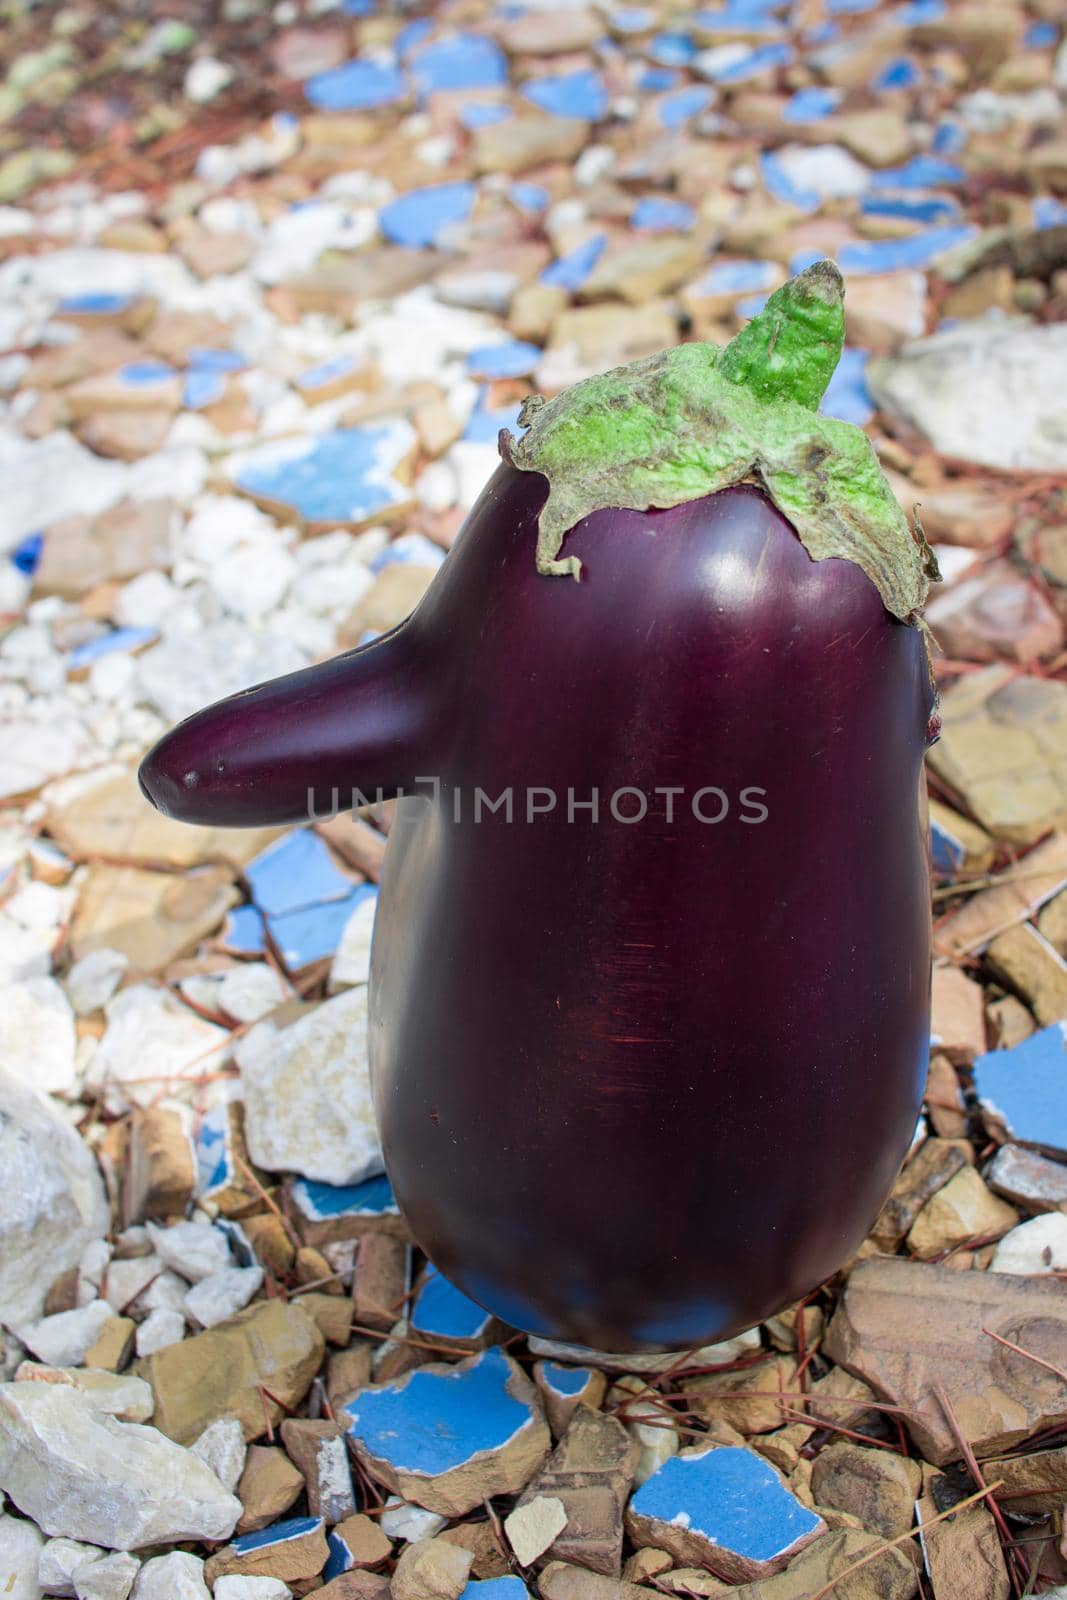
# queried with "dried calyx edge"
point(695, 419)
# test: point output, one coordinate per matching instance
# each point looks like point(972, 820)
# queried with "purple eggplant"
point(650, 978)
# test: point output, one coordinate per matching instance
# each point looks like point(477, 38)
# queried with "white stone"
point(35, 751)
point(351, 962)
point(20, 1553)
point(168, 1292)
point(60, 1559)
point(222, 1447)
point(253, 580)
point(146, 601)
point(108, 1579)
point(185, 671)
point(223, 1294)
point(246, 992)
point(827, 169)
point(655, 1446)
point(152, 1046)
point(196, 1250)
point(205, 79)
point(92, 981)
point(1037, 1246)
point(119, 1394)
point(159, 1329)
point(51, 478)
point(37, 1037)
point(54, 1201)
point(63, 1340)
point(81, 1475)
point(127, 1280)
point(307, 1094)
point(402, 1520)
point(533, 1527)
point(991, 393)
point(31, 922)
point(235, 1586)
point(177, 1576)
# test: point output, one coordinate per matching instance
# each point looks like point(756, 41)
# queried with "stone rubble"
point(271, 281)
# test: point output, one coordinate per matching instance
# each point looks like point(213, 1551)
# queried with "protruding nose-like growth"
point(649, 989)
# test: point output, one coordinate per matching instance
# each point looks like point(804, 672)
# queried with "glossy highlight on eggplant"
point(648, 1051)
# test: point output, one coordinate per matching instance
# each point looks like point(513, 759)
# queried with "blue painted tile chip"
point(1040, 35)
point(529, 196)
point(911, 207)
point(506, 1588)
point(417, 218)
point(320, 1202)
point(296, 871)
point(847, 396)
point(900, 73)
point(357, 86)
point(921, 172)
point(660, 215)
point(277, 1533)
point(898, 255)
point(1027, 1087)
point(202, 388)
point(781, 186)
point(733, 1497)
point(765, 58)
point(341, 1557)
point(440, 1308)
point(676, 109)
point(632, 19)
point(514, 359)
point(243, 932)
point(26, 555)
point(467, 61)
point(484, 425)
point(572, 270)
point(736, 277)
point(95, 304)
point(655, 80)
point(672, 49)
point(565, 1380)
point(138, 373)
point(340, 476)
point(483, 114)
point(109, 644)
point(580, 94)
point(411, 36)
point(313, 932)
point(949, 139)
point(811, 105)
point(432, 1422)
point(1049, 213)
point(946, 851)
point(215, 1166)
point(409, 550)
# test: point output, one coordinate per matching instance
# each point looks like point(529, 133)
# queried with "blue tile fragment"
point(780, 185)
point(213, 1146)
point(632, 19)
point(345, 475)
point(949, 138)
point(357, 86)
point(276, 1534)
point(580, 94)
point(100, 304)
point(1049, 213)
point(1040, 35)
point(119, 640)
point(514, 359)
point(532, 197)
point(811, 105)
point(921, 172)
point(847, 396)
point(675, 110)
point(328, 1202)
point(467, 61)
point(138, 374)
point(484, 425)
point(417, 219)
point(411, 36)
point(911, 207)
point(900, 73)
point(313, 932)
point(410, 550)
point(754, 18)
point(751, 305)
point(1026, 1088)
point(565, 1381)
point(483, 114)
point(656, 214)
point(341, 1558)
point(733, 1499)
point(672, 49)
point(507, 1587)
point(429, 1423)
point(764, 58)
point(655, 80)
point(946, 851)
point(445, 1312)
point(899, 255)
point(573, 269)
point(297, 870)
point(243, 932)
point(201, 387)
point(26, 555)
point(736, 277)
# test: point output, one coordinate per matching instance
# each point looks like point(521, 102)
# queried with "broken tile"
point(1023, 1093)
point(269, 1485)
point(963, 1554)
point(286, 1550)
point(356, 1542)
point(961, 1211)
point(906, 1326)
point(325, 1213)
point(345, 478)
point(451, 1437)
point(725, 1509)
point(445, 1316)
point(318, 1450)
point(564, 1389)
point(957, 844)
point(1035, 879)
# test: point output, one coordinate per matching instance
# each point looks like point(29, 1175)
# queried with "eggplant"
point(650, 980)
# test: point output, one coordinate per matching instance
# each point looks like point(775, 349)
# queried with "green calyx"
point(696, 419)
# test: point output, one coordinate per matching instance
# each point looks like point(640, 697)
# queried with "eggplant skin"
point(640, 1084)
